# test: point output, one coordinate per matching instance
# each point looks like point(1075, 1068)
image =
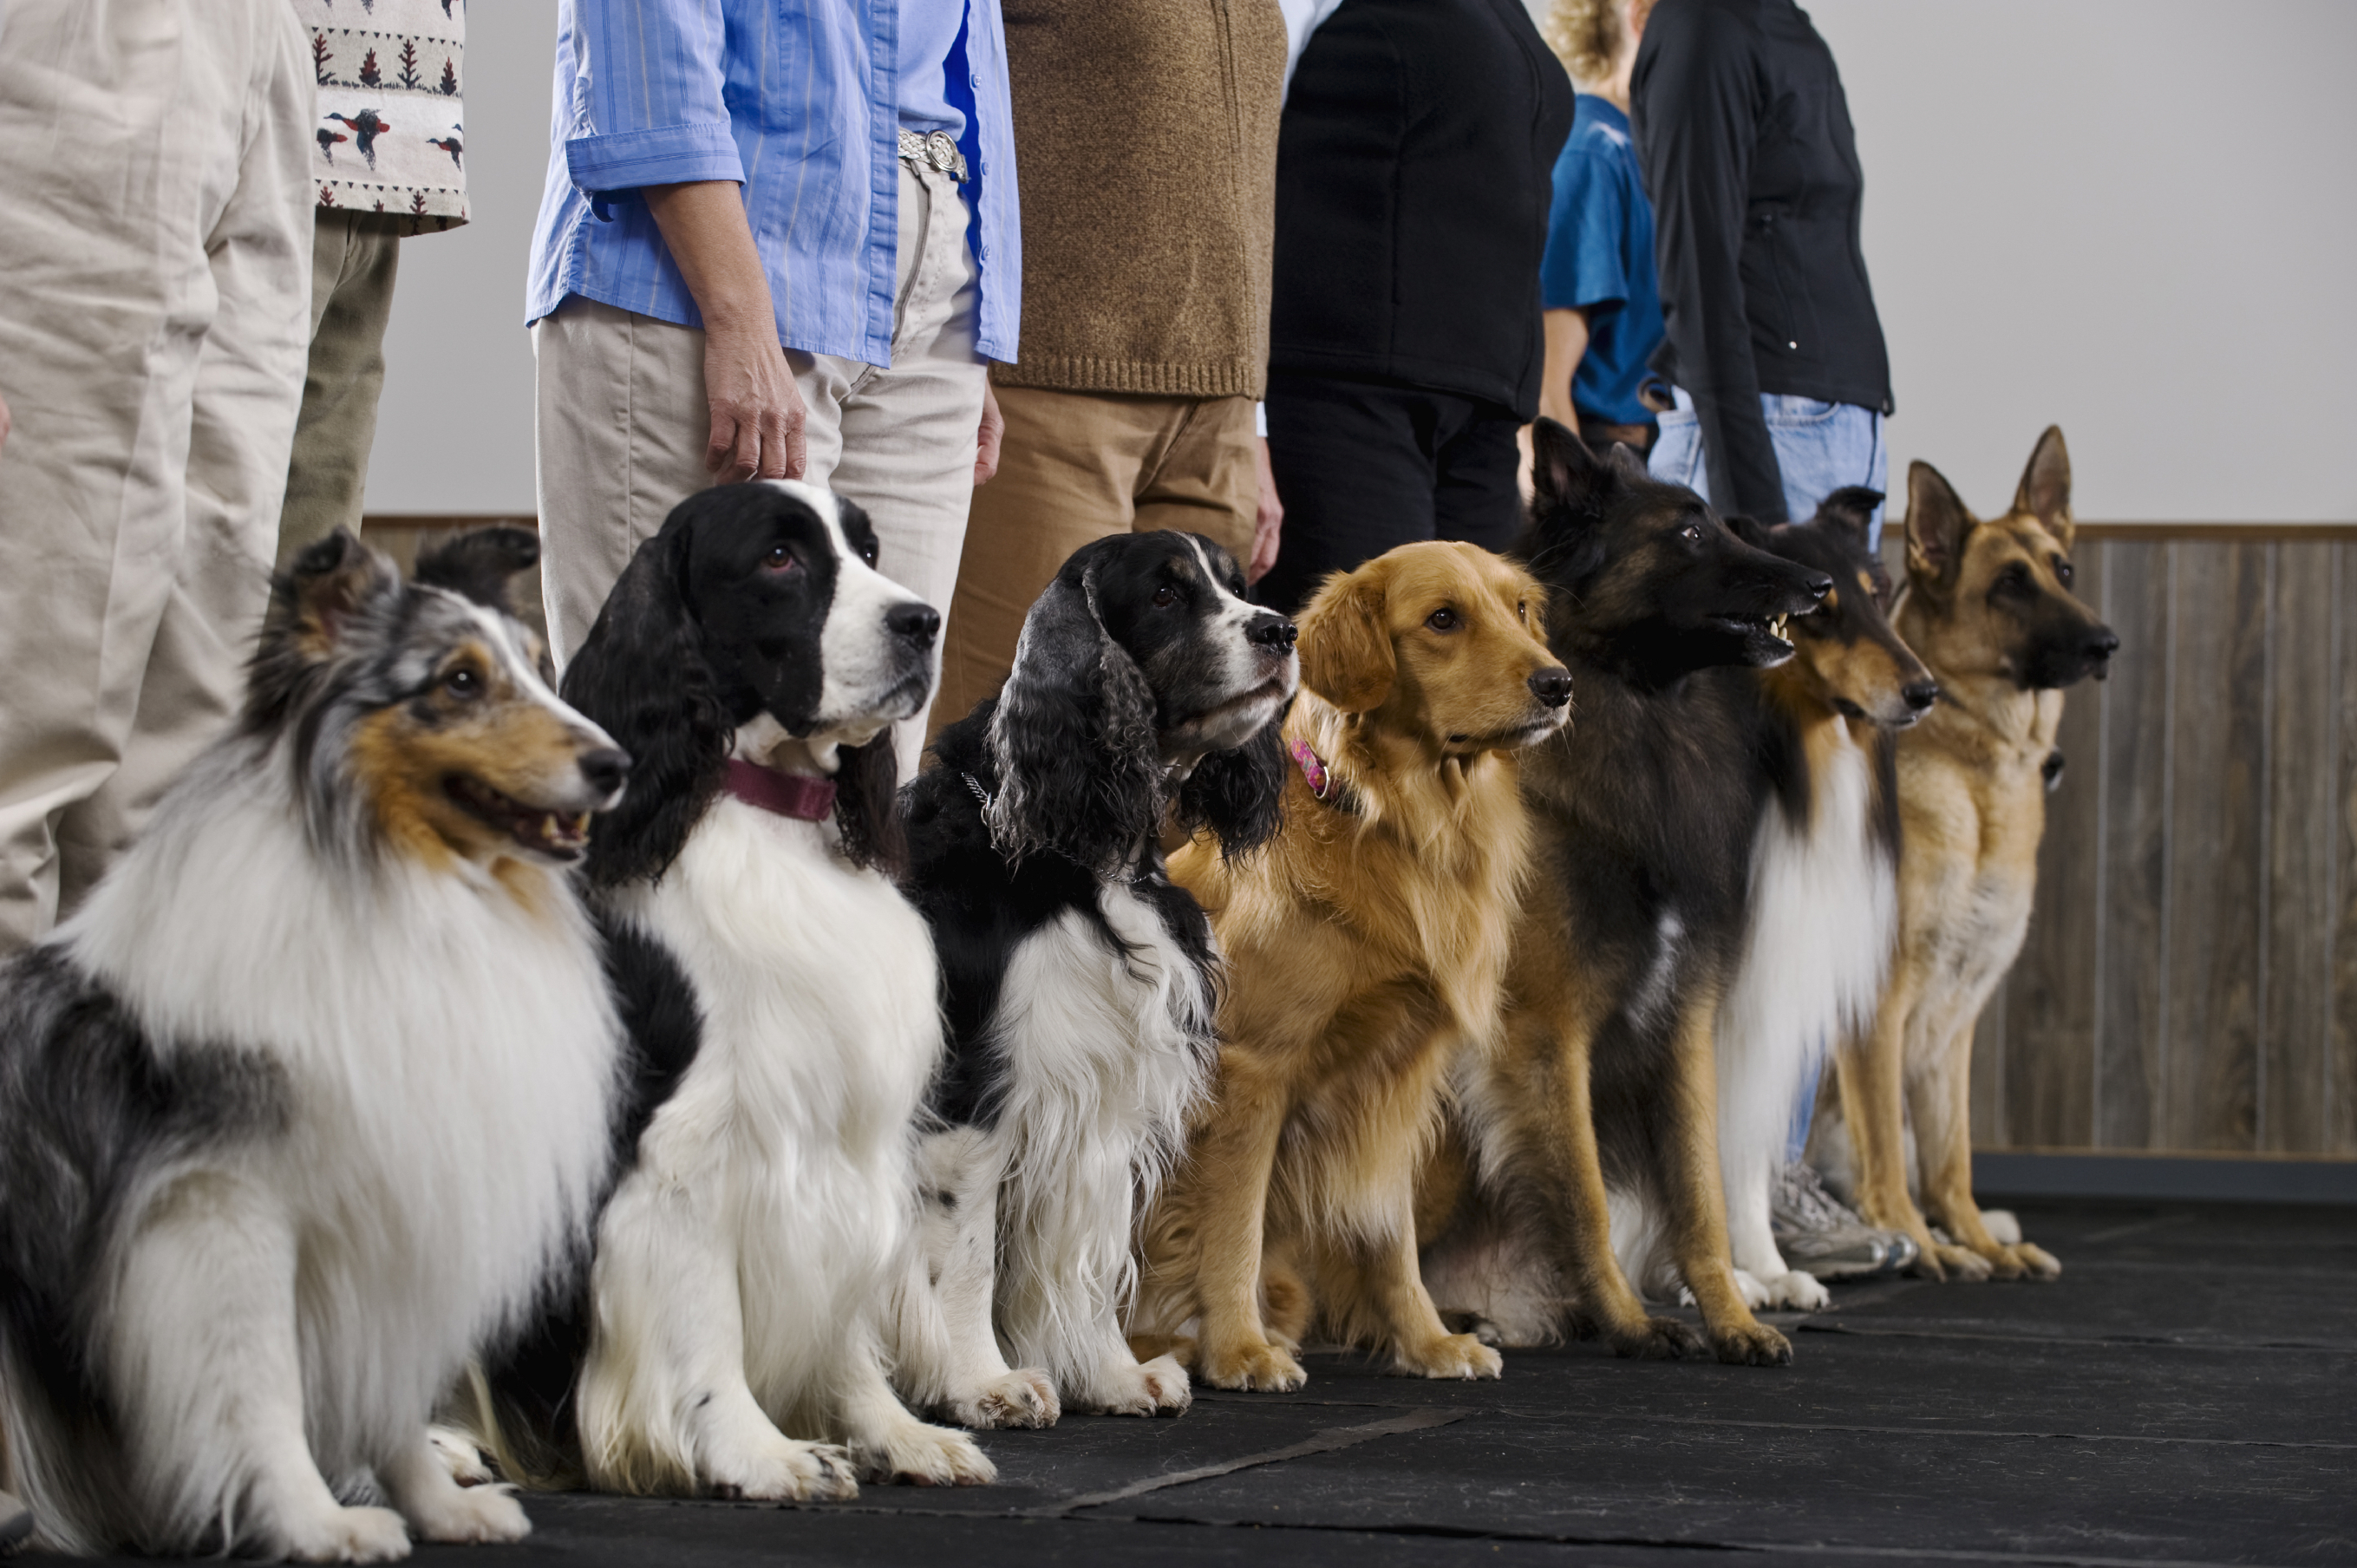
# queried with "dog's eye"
point(1442, 620)
point(1523, 610)
point(1165, 597)
point(463, 683)
point(1691, 533)
point(868, 553)
point(2014, 579)
point(780, 558)
point(2062, 571)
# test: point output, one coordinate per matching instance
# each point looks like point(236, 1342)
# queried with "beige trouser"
point(354, 257)
point(1077, 466)
point(155, 286)
point(623, 421)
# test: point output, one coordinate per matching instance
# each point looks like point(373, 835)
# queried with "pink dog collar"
point(787, 794)
point(1313, 768)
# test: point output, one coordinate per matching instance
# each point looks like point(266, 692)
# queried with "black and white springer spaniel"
point(780, 997)
point(1078, 980)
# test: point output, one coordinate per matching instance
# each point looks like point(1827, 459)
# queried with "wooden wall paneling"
point(2302, 763)
point(2048, 1075)
point(2212, 970)
point(2340, 1065)
point(2131, 773)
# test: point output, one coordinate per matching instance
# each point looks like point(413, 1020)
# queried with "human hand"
point(757, 413)
point(1268, 517)
point(987, 435)
point(4, 422)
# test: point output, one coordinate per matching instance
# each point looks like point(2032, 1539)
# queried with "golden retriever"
point(1363, 950)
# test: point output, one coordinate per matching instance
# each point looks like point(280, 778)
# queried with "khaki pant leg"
point(1069, 471)
point(620, 424)
point(354, 259)
point(1208, 481)
point(153, 170)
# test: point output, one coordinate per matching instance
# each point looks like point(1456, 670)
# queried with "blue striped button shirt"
point(796, 99)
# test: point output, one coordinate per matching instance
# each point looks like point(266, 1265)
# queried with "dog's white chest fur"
point(1105, 1053)
point(449, 1055)
point(794, 1127)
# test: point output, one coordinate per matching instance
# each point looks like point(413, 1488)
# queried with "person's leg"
point(1208, 479)
point(1069, 472)
point(1354, 465)
point(1475, 497)
point(1820, 447)
point(189, 132)
point(907, 441)
point(619, 434)
point(354, 258)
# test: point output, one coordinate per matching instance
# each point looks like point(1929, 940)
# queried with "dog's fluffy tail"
point(65, 1465)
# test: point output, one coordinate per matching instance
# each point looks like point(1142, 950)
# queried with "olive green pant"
point(354, 256)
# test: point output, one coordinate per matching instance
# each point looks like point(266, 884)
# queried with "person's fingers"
point(717, 446)
point(797, 449)
point(743, 459)
point(773, 445)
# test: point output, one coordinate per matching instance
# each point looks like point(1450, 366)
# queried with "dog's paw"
point(2036, 1261)
point(1957, 1265)
point(1158, 1387)
point(1258, 1368)
point(476, 1515)
point(916, 1454)
point(787, 1471)
point(1455, 1356)
point(461, 1460)
point(1655, 1339)
point(347, 1535)
point(1020, 1399)
point(1797, 1291)
point(1755, 1345)
point(1746, 1285)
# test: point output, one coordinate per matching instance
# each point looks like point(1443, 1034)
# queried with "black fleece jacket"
point(1415, 164)
point(1744, 137)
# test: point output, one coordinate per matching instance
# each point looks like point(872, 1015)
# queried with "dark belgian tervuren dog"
point(1643, 819)
point(1989, 606)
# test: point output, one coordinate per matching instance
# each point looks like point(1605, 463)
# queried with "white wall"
point(2134, 217)
point(453, 433)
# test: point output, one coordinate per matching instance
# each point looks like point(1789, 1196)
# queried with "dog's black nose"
point(2100, 644)
point(1552, 687)
point(1819, 584)
point(1271, 631)
point(917, 622)
point(605, 768)
point(1920, 695)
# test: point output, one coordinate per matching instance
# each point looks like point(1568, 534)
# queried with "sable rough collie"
point(1643, 822)
point(1989, 606)
point(306, 1102)
point(1080, 981)
point(1363, 948)
point(781, 996)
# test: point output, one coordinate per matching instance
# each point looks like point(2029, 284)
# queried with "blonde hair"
point(1586, 35)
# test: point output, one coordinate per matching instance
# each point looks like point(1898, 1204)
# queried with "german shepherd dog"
point(1988, 606)
point(1643, 823)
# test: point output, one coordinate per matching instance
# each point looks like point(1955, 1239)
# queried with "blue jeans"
point(1820, 447)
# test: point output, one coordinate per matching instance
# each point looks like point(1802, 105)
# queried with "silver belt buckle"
point(934, 150)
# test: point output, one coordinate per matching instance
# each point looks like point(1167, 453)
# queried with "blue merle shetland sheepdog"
point(306, 1102)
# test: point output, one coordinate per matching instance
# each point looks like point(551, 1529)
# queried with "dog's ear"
point(2045, 487)
point(1937, 523)
point(1346, 645)
point(1565, 475)
point(1849, 512)
point(867, 805)
point(481, 564)
point(642, 676)
point(314, 606)
point(1072, 737)
point(1238, 794)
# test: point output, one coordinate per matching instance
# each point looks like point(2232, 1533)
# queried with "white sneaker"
point(1817, 1233)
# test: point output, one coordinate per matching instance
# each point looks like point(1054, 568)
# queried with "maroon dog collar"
point(787, 794)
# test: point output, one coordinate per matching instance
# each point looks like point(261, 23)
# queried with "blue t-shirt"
point(1600, 259)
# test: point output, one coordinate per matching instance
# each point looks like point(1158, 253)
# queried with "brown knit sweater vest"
point(1146, 144)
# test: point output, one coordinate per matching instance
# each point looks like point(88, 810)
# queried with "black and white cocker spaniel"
point(1078, 979)
point(781, 998)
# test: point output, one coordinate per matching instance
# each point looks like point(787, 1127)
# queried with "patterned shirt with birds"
point(391, 136)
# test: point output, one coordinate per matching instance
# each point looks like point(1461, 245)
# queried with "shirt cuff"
point(666, 154)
